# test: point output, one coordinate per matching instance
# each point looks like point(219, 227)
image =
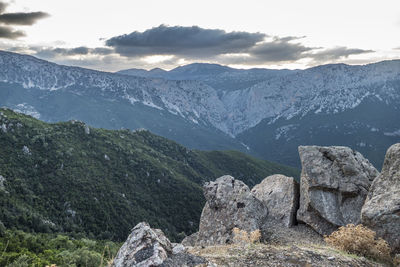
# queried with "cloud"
point(278, 50)
point(21, 18)
point(169, 46)
point(192, 42)
point(50, 53)
point(9, 33)
point(3, 7)
point(17, 18)
point(336, 53)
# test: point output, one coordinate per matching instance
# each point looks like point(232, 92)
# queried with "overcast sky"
point(120, 34)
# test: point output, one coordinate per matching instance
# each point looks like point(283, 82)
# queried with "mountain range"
point(266, 113)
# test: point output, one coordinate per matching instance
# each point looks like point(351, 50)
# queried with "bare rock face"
point(334, 185)
point(186, 260)
point(381, 211)
point(229, 204)
point(150, 247)
point(280, 194)
point(144, 247)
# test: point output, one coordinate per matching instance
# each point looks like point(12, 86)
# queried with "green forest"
point(95, 184)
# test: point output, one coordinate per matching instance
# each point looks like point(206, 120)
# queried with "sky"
point(121, 34)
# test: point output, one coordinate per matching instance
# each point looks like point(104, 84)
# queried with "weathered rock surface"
point(229, 204)
point(150, 247)
point(144, 247)
point(280, 194)
point(381, 211)
point(191, 240)
point(186, 260)
point(334, 185)
point(2, 180)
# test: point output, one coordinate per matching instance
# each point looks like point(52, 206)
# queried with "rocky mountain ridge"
point(327, 88)
point(267, 113)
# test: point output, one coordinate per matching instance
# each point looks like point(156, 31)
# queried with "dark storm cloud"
point(17, 18)
point(337, 53)
point(198, 43)
point(9, 33)
point(192, 42)
point(21, 18)
point(278, 50)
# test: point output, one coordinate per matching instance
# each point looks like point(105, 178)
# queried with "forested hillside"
point(68, 177)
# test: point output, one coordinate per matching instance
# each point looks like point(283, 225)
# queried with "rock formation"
point(229, 204)
point(144, 247)
point(381, 211)
point(334, 184)
point(150, 247)
point(280, 194)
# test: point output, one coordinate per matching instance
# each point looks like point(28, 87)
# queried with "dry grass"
point(360, 240)
point(242, 237)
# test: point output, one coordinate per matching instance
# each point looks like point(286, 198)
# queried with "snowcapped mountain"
point(268, 112)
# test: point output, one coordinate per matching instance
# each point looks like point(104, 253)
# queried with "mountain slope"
point(334, 104)
point(217, 107)
point(70, 177)
point(222, 78)
point(356, 106)
point(186, 111)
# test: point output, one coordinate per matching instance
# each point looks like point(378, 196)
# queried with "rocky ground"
point(277, 255)
point(299, 246)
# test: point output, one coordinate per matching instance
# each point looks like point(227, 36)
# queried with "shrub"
point(360, 240)
point(243, 237)
point(255, 236)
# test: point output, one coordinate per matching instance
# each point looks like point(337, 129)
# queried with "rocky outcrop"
point(229, 204)
point(150, 247)
point(381, 211)
point(280, 194)
point(334, 184)
point(144, 247)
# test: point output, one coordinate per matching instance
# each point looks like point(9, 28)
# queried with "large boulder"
point(150, 247)
point(280, 194)
point(334, 185)
point(144, 247)
point(229, 204)
point(381, 211)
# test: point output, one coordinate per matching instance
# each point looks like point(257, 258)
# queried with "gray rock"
point(191, 240)
point(186, 260)
point(334, 184)
point(381, 211)
point(280, 194)
point(144, 247)
point(2, 180)
point(26, 150)
point(178, 248)
point(229, 204)
point(87, 129)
